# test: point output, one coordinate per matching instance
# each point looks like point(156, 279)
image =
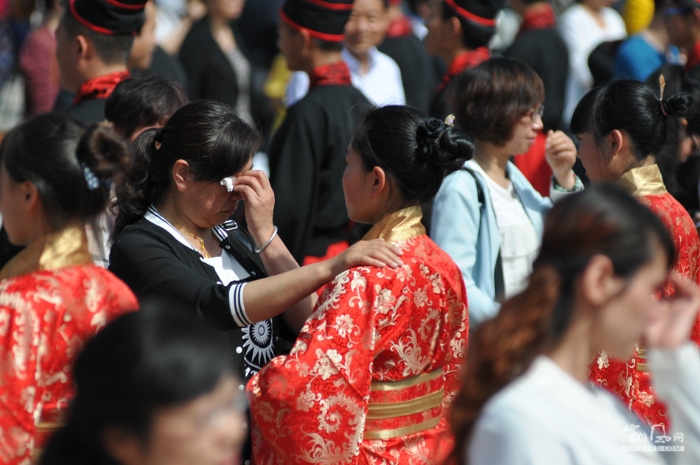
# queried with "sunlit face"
point(366, 27)
point(597, 5)
point(141, 54)
point(14, 215)
point(622, 322)
point(438, 31)
point(290, 43)
point(209, 203)
point(357, 188)
point(208, 430)
point(597, 165)
point(67, 58)
point(525, 132)
point(226, 9)
point(679, 23)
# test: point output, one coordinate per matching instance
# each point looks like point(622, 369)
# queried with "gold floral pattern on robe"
point(52, 299)
point(630, 380)
point(380, 339)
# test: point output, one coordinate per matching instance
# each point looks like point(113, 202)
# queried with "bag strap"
point(498, 279)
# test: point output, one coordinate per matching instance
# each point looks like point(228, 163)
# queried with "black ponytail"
point(633, 107)
point(213, 140)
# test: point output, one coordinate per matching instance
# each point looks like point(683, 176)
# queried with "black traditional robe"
point(307, 160)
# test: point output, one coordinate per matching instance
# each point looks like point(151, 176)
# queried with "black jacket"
point(153, 263)
point(211, 76)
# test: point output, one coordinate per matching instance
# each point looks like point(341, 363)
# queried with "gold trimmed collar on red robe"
point(645, 180)
point(398, 226)
point(60, 249)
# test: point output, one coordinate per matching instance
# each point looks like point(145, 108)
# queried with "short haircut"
point(141, 101)
point(490, 98)
point(112, 49)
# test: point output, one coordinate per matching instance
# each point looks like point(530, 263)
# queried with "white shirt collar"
point(354, 64)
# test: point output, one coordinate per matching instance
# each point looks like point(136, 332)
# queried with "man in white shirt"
point(373, 73)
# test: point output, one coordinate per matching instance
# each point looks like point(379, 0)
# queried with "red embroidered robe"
point(374, 370)
point(52, 299)
point(630, 380)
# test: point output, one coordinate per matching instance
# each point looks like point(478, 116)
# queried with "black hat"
point(323, 19)
point(111, 17)
point(479, 12)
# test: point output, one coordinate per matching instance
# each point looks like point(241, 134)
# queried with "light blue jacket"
point(472, 239)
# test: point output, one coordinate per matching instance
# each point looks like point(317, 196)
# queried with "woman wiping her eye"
point(173, 237)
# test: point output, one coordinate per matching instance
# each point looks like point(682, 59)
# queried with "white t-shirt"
point(548, 417)
point(382, 84)
point(519, 239)
point(582, 34)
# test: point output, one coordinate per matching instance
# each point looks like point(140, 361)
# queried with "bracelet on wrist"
point(269, 241)
point(578, 185)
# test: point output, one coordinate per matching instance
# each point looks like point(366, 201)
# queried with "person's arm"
point(321, 389)
point(454, 227)
point(35, 63)
point(561, 153)
point(675, 366)
point(149, 265)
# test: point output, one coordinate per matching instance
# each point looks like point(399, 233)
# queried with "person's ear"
point(599, 283)
point(181, 175)
point(306, 41)
point(379, 181)
point(455, 28)
point(31, 199)
point(83, 46)
point(619, 143)
point(122, 446)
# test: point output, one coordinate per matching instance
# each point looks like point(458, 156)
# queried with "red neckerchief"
point(100, 87)
point(464, 60)
point(540, 17)
point(693, 57)
point(333, 74)
point(400, 28)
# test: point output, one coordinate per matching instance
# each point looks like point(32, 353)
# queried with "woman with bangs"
point(623, 129)
point(487, 216)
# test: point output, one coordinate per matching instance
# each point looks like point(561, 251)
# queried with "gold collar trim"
point(61, 249)
point(645, 180)
point(398, 226)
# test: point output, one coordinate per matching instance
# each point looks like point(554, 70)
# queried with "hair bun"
point(427, 136)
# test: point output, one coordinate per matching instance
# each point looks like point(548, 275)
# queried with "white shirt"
point(582, 34)
point(381, 84)
point(519, 239)
point(548, 417)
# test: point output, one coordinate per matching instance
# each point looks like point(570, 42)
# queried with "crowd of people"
point(349, 232)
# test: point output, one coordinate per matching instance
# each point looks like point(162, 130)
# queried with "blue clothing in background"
point(637, 58)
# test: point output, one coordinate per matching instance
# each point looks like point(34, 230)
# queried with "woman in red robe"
point(622, 129)
point(53, 176)
point(374, 370)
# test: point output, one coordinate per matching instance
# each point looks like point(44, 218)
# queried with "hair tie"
point(662, 86)
point(158, 137)
point(90, 177)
